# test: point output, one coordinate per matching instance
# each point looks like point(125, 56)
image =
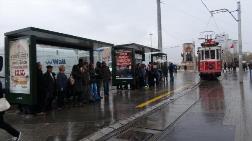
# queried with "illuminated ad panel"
point(19, 66)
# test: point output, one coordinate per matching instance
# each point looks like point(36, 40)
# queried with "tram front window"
point(212, 53)
point(202, 55)
point(206, 54)
point(218, 53)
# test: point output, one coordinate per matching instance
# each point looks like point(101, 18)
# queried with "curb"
point(121, 123)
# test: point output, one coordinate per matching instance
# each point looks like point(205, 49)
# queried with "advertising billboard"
point(19, 66)
point(124, 64)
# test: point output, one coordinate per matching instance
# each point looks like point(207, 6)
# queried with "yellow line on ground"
point(148, 102)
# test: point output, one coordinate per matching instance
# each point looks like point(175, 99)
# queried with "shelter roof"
point(138, 47)
point(56, 37)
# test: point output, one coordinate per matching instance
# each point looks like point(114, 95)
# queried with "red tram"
point(210, 59)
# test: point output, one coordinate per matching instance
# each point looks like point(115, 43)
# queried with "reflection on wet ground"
point(223, 113)
point(75, 123)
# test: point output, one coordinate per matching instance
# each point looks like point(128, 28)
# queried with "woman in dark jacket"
point(61, 86)
point(6, 126)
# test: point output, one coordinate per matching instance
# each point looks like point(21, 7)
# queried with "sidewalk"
point(73, 124)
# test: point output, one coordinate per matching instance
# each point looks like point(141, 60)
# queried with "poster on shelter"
point(19, 66)
point(106, 55)
point(124, 64)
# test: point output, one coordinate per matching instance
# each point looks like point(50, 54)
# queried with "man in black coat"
point(49, 85)
point(171, 70)
point(40, 87)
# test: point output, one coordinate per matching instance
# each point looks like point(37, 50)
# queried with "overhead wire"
point(207, 8)
point(195, 17)
point(212, 16)
point(198, 19)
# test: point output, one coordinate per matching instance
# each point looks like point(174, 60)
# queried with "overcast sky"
point(127, 21)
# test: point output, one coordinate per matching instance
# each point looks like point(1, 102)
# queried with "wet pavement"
point(217, 110)
point(75, 123)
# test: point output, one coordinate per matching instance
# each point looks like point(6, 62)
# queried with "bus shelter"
point(124, 61)
point(158, 57)
point(24, 48)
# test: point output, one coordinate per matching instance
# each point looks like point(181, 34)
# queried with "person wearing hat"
point(49, 85)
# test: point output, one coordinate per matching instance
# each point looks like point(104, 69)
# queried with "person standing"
point(93, 85)
point(5, 126)
point(165, 71)
point(250, 68)
point(61, 86)
point(151, 77)
point(171, 70)
point(106, 78)
point(225, 67)
point(98, 74)
point(142, 75)
point(86, 83)
point(77, 72)
point(49, 84)
point(40, 87)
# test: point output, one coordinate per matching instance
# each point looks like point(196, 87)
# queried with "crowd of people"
point(82, 86)
point(231, 66)
point(150, 75)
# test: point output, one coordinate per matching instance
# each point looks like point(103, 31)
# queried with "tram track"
point(134, 120)
point(204, 84)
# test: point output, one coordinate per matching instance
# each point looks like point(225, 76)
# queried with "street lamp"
point(238, 20)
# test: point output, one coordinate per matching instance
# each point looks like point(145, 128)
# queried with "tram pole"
point(159, 25)
point(240, 41)
point(238, 20)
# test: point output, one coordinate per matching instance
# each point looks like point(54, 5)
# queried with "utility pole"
point(240, 41)
point(159, 25)
point(238, 20)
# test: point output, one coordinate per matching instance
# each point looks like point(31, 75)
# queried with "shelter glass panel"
point(212, 53)
point(56, 56)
